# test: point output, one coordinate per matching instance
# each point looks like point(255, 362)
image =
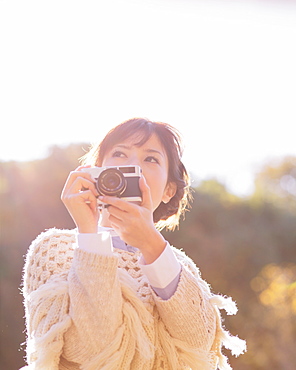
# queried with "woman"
point(113, 294)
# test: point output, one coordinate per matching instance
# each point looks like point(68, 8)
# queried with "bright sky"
point(223, 72)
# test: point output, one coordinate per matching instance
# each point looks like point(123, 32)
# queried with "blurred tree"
point(275, 287)
point(245, 248)
point(276, 183)
point(30, 203)
point(213, 187)
point(231, 241)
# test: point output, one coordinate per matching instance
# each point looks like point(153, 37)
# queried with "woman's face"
point(152, 158)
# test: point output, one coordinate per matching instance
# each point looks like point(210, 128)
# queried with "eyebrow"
point(154, 151)
point(146, 150)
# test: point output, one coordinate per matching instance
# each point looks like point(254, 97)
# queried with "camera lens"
point(111, 182)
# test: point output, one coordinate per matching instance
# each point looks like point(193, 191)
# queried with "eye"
point(118, 154)
point(152, 159)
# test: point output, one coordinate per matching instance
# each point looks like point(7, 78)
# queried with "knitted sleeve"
point(95, 304)
point(46, 299)
point(192, 319)
point(73, 302)
point(78, 307)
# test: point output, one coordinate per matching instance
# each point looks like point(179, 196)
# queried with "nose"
point(134, 160)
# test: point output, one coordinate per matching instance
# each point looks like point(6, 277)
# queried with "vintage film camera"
point(117, 181)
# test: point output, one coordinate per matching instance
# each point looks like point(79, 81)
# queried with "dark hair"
point(166, 215)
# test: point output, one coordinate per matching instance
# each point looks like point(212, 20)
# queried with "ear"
point(169, 192)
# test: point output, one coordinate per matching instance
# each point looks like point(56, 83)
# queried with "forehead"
point(135, 137)
point(140, 142)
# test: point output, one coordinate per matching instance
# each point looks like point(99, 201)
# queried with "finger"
point(81, 184)
point(146, 194)
point(79, 168)
point(115, 222)
point(117, 202)
point(73, 199)
point(116, 212)
point(86, 196)
point(90, 199)
point(73, 176)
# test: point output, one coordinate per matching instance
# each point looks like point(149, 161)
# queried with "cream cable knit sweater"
point(91, 312)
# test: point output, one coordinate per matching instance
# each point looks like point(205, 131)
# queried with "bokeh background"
point(222, 72)
point(244, 247)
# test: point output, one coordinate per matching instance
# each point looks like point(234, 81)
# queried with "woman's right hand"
point(80, 198)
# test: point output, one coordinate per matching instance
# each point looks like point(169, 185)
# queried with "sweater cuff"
point(163, 270)
point(99, 243)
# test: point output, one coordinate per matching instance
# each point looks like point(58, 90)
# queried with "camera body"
point(117, 181)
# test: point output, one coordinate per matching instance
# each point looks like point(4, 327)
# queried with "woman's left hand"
point(134, 223)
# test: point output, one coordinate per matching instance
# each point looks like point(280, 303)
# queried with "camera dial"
point(111, 182)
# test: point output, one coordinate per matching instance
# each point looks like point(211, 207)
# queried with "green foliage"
point(245, 248)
